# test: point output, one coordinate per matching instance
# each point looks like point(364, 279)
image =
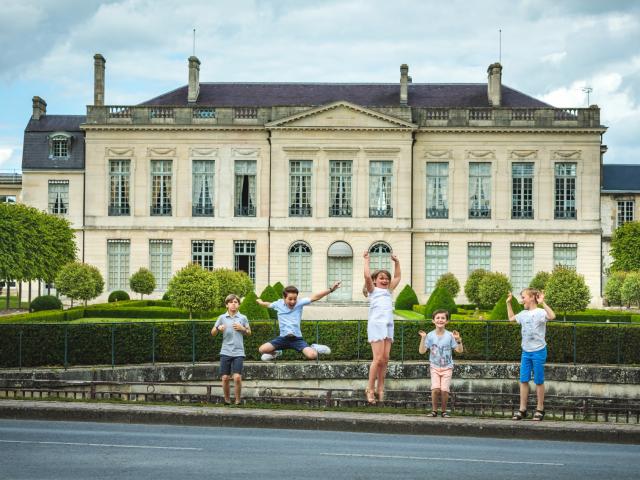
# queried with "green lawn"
point(409, 314)
point(135, 320)
point(13, 301)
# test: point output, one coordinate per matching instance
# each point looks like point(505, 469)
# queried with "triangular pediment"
point(341, 115)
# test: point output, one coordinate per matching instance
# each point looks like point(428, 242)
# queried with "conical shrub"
point(270, 295)
point(407, 298)
point(251, 309)
point(499, 312)
point(440, 299)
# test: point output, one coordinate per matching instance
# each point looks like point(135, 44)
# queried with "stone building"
point(292, 182)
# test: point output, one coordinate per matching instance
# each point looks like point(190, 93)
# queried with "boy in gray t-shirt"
point(533, 324)
point(233, 326)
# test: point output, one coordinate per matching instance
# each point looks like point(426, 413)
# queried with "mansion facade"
point(293, 182)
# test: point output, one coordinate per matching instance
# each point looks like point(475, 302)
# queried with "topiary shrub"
point(407, 298)
point(440, 299)
point(229, 281)
point(472, 285)
point(270, 295)
point(166, 297)
point(450, 282)
point(45, 302)
point(499, 312)
point(566, 291)
point(142, 282)
point(118, 296)
point(540, 280)
point(278, 288)
point(492, 286)
point(612, 290)
point(630, 291)
point(251, 309)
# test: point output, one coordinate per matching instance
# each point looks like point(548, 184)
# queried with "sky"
point(550, 49)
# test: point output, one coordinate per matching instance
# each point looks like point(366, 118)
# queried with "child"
point(378, 286)
point(533, 322)
point(289, 316)
point(233, 326)
point(440, 342)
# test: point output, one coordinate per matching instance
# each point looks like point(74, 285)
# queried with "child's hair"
point(288, 290)
point(531, 291)
point(231, 297)
point(446, 312)
point(374, 275)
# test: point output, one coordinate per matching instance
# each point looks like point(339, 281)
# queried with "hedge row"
point(32, 345)
point(148, 312)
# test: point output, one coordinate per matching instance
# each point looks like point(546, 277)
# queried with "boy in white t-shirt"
point(533, 322)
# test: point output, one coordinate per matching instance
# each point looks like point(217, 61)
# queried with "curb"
point(318, 420)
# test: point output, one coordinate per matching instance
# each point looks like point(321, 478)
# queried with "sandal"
point(445, 415)
point(538, 416)
point(519, 415)
point(371, 399)
point(432, 414)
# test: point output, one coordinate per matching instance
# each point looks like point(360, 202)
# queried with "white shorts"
point(377, 331)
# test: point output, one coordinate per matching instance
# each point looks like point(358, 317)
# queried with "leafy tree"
point(612, 290)
point(142, 282)
point(118, 296)
point(472, 285)
point(45, 302)
point(540, 280)
point(440, 299)
point(192, 288)
point(450, 283)
point(230, 281)
point(625, 247)
point(79, 281)
point(270, 295)
point(493, 286)
point(407, 298)
point(630, 291)
point(250, 308)
point(499, 312)
point(279, 288)
point(566, 291)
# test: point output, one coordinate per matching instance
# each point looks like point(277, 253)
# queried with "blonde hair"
point(530, 291)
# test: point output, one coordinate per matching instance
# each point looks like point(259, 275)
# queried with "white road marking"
point(444, 459)
point(101, 445)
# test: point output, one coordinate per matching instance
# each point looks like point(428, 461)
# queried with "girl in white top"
point(378, 286)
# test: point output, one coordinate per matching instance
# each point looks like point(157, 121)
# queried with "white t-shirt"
point(534, 327)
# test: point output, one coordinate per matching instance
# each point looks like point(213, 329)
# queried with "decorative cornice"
point(161, 152)
point(567, 154)
point(300, 149)
point(203, 152)
point(382, 151)
point(438, 154)
point(245, 152)
point(171, 128)
point(481, 154)
point(492, 130)
point(524, 154)
point(121, 152)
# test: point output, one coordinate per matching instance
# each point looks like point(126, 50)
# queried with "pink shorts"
point(441, 378)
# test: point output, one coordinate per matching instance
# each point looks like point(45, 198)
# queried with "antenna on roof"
point(500, 46)
point(587, 90)
point(194, 42)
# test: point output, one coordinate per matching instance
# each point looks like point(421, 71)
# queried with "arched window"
point(340, 268)
point(380, 257)
point(300, 266)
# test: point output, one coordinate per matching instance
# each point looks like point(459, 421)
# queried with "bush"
point(192, 288)
point(118, 296)
point(471, 287)
point(79, 281)
point(142, 282)
point(250, 308)
point(566, 291)
point(499, 312)
point(540, 280)
point(165, 297)
point(612, 290)
point(229, 281)
point(625, 245)
point(630, 291)
point(407, 298)
point(270, 295)
point(279, 288)
point(493, 286)
point(45, 302)
point(449, 282)
point(440, 299)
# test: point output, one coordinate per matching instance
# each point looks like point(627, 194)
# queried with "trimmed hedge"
point(118, 296)
point(45, 302)
point(407, 298)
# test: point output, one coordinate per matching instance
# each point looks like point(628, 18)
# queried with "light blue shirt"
point(440, 348)
point(232, 340)
point(289, 318)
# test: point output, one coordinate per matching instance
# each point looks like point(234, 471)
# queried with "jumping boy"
point(289, 310)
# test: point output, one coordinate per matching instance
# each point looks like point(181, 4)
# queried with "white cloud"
point(556, 57)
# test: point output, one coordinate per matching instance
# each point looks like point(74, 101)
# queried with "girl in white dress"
point(378, 286)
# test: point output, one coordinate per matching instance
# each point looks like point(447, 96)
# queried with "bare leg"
point(444, 396)
point(266, 348)
point(524, 395)
point(310, 353)
point(377, 349)
point(540, 397)
point(225, 388)
point(382, 368)
point(237, 384)
point(435, 396)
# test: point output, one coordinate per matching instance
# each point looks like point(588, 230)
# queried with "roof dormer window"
point(59, 145)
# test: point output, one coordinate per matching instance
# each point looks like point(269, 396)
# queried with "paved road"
point(81, 450)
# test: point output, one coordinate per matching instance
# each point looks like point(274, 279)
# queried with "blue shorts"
point(231, 364)
point(289, 341)
point(533, 361)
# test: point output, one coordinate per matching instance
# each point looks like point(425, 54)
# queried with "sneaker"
point(321, 349)
point(267, 357)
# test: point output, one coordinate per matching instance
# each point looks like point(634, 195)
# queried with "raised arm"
point(324, 293)
point(396, 273)
point(551, 315)
point(262, 303)
point(368, 283)
point(422, 348)
point(510, 314)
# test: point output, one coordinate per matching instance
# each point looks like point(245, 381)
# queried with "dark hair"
point(446, 312)
point(375, 274)
point(231, 297)
point(289, 289)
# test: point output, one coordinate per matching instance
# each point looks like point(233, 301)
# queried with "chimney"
point(494, 84)
point(98, 79)
point(39, 108)
point(194, 79)
point(404, 84)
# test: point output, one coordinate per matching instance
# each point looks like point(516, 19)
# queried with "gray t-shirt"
point(232, 340)
point(440, 348)
point(534, 327)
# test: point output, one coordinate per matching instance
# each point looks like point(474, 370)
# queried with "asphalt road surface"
point(95, 451)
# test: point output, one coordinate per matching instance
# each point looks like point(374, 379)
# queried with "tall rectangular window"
point(380, 181)
point(437, 190)
point(245, 188)
point(340, 188)
point(244, 257)
point(202, 183)
point(436, 263)
point(565, 191)
point(565, 254)
point(160, 257)
point(202, 253)
point(161, 176)
point(478, 256)
point(300, 266)
point(521, 266)
point(118, 254)
point(625, 211)
point(119, 181)
point(59, 197)
point(479, 190)
point(300, 188)
point(522, 190)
